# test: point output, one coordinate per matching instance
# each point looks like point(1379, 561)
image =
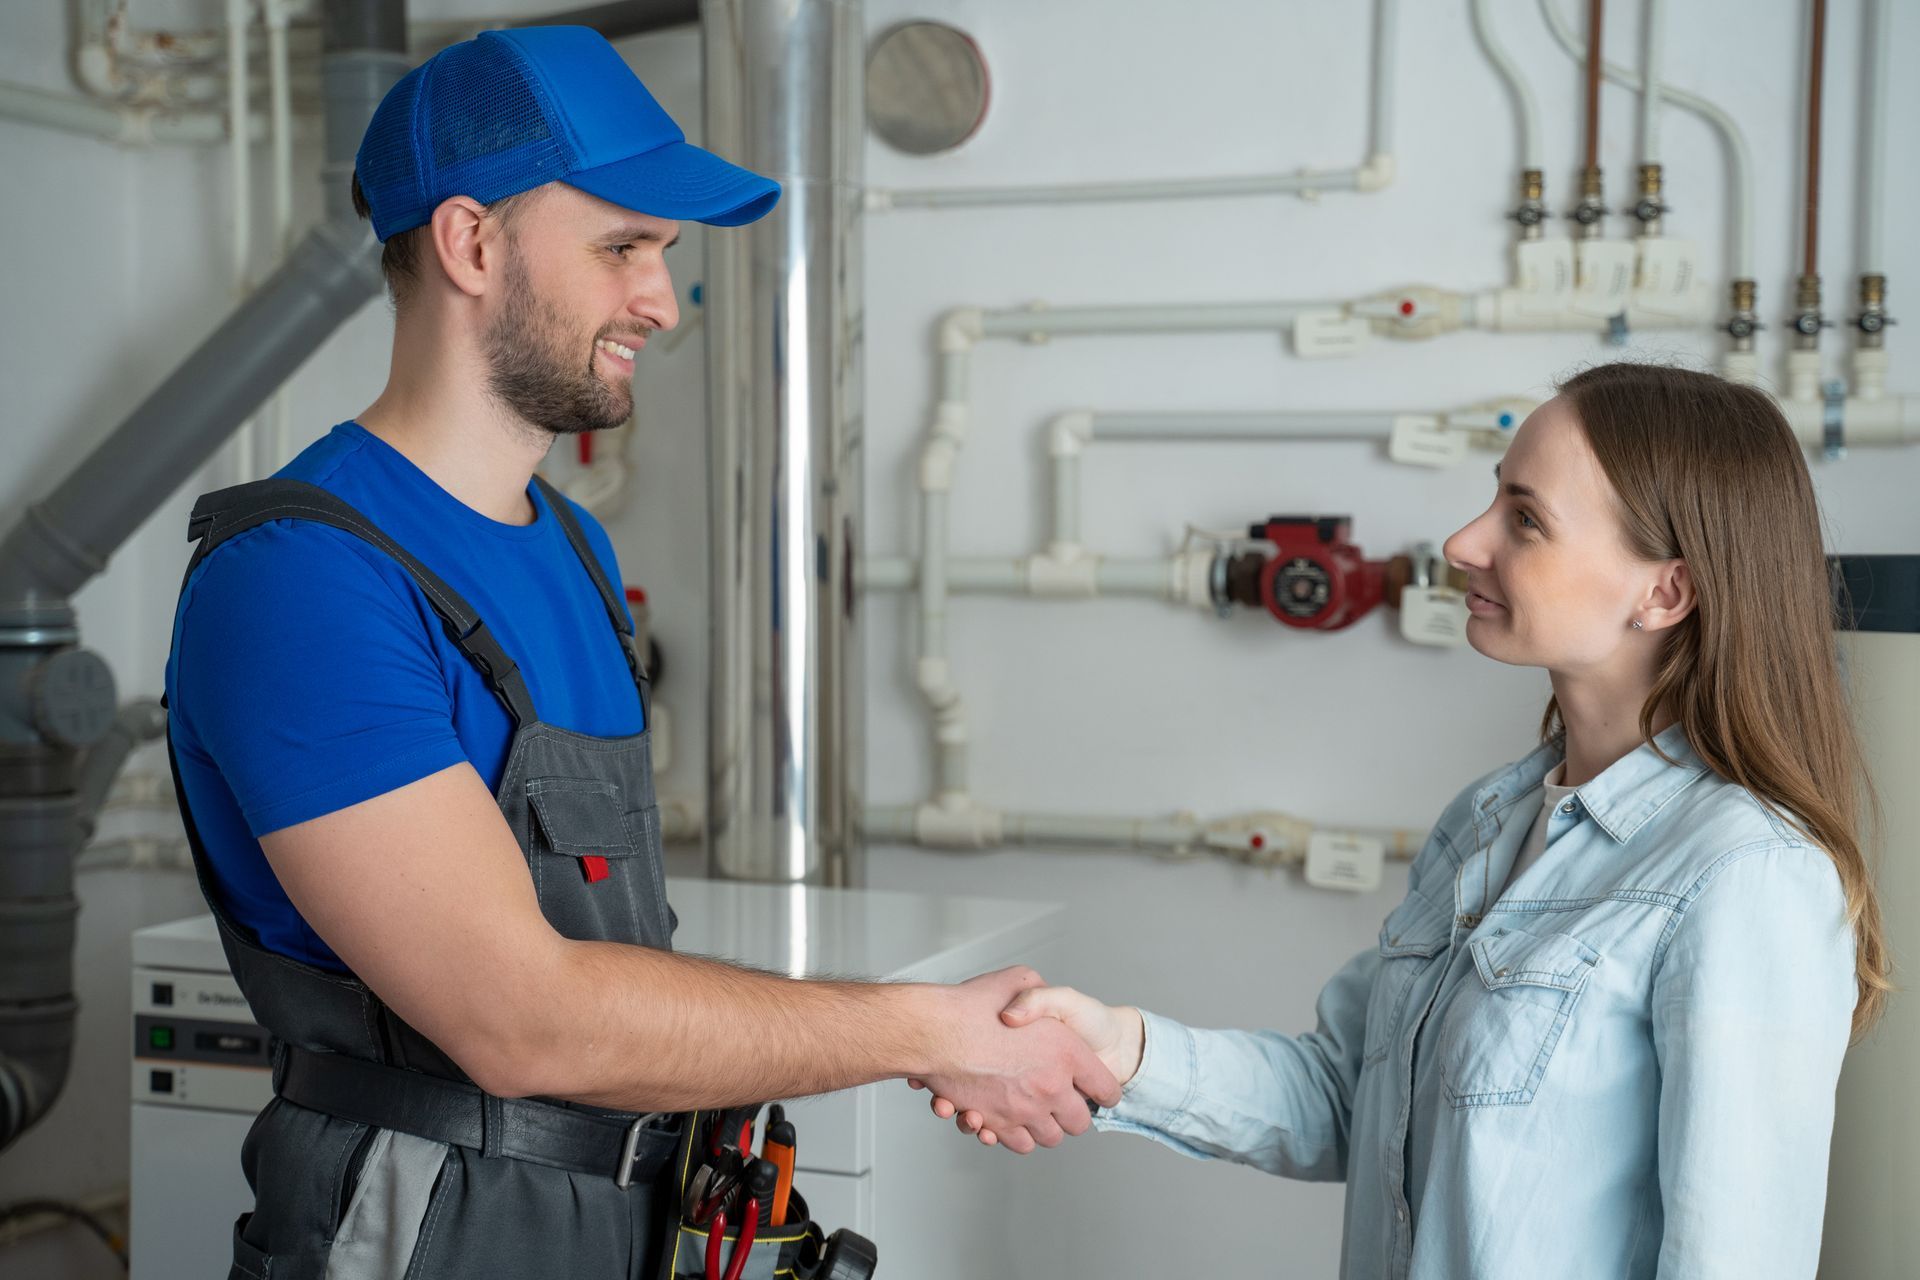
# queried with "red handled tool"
point(761, 1177)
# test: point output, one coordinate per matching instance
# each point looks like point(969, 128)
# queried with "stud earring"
point(1639, 625)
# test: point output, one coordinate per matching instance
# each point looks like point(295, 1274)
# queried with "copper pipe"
point(1816, 62)
point(1595, 8)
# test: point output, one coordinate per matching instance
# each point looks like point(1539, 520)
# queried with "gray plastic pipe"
point(62, 541)
point(140, 721)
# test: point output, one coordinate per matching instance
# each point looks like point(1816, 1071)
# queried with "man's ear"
point(463, 234)
point(1671, 599)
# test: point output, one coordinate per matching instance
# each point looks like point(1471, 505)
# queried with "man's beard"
point(532, 359)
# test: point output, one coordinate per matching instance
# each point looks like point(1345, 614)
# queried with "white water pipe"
point(1375, 173)
point(1879, 419)
point(1266, 838)
point(1068, 570)
point(1042, 320)
point(125, 126)
point(1740, 170)
point(280, 112)
point(1873, 139)
point(1415, 312)
point(1506, 311)
point(1180, 578)
point(1653, 46)
point(1526, 110)
point(240, 168)
point(1299, 424)
point(135, 98)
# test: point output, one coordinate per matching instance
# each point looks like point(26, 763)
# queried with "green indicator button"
point(160, 1037)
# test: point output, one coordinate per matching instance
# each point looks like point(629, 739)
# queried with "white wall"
point(1134, 707)
point(117, 267)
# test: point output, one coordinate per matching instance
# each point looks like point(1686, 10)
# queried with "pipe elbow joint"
point(960, 328)
point(36, 1050)
point(94, 68)
point(1376, 174)
point(1069, 434)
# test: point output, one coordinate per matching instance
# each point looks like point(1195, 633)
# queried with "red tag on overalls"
point(596, 868)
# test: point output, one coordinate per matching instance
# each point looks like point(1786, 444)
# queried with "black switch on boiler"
point(163, 993)
point(161, 1081)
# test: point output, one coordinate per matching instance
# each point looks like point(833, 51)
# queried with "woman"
point(1600, 1036)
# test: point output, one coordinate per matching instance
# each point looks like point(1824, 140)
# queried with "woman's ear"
point(1671, 598)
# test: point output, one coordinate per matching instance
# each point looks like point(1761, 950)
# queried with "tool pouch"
point(795, 1250)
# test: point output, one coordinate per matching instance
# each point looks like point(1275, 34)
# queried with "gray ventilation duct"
point(784, 370)
point(59, 733)
point(623, 18)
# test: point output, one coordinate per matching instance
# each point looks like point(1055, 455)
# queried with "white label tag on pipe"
point(1325, 334)
point(1543, 275)
point(1666, 270)
point(1337, 860)
point(1421, 440)
point(1433, 615)
point(1603, 277)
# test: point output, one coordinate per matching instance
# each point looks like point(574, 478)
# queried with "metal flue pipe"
point(783, 97)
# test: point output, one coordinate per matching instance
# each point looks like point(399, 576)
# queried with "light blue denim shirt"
point(1620, 1065)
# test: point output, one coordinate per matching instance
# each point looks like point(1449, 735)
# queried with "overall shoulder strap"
point(227, 513)
point(609, 598)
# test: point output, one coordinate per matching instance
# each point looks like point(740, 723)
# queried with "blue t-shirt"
point(309, 672)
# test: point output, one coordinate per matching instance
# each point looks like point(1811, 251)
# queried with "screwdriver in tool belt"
point(778, 1146)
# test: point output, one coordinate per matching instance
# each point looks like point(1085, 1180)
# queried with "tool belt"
point(627, 1149)
point(713, 1236)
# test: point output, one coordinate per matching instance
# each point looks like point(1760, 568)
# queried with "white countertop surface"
point(855, 933)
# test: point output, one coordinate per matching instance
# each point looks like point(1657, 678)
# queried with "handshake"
point(1028, 1059)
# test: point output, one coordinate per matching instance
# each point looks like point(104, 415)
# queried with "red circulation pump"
point(1315, 579)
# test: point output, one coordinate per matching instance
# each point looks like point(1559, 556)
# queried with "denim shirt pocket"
point(1413, 935)
point(1501, 1032)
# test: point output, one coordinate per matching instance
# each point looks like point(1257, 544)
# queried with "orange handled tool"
point(778, 1146)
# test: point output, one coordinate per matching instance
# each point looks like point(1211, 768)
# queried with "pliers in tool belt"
point(760, 1178)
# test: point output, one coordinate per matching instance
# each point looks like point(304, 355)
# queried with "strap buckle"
point(630, 1149)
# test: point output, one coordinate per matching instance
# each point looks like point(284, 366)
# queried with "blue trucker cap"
point(512, 110)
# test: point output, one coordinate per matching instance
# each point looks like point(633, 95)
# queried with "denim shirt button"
point(1567, 807)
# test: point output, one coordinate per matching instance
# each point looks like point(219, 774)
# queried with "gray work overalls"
point(377, 1157)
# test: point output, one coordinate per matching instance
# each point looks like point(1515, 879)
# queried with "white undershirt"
point(1553, 795)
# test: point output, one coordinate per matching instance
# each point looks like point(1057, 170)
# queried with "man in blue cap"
point(410, 736)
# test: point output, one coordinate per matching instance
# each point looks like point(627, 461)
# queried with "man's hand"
point(1115, 1035)
point(1027, 1079)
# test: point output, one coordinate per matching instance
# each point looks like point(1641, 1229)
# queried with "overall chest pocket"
point(596, 867)
point(1410, 939)
point(1510, 1015)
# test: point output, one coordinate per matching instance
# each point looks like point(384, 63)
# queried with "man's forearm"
point(642, 1030)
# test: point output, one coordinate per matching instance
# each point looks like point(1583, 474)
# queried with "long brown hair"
point(1709, 472)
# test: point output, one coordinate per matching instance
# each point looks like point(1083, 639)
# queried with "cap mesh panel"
point(388, 177)
point(488, 135)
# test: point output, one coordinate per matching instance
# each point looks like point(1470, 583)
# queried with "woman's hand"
point(1116, 1035)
